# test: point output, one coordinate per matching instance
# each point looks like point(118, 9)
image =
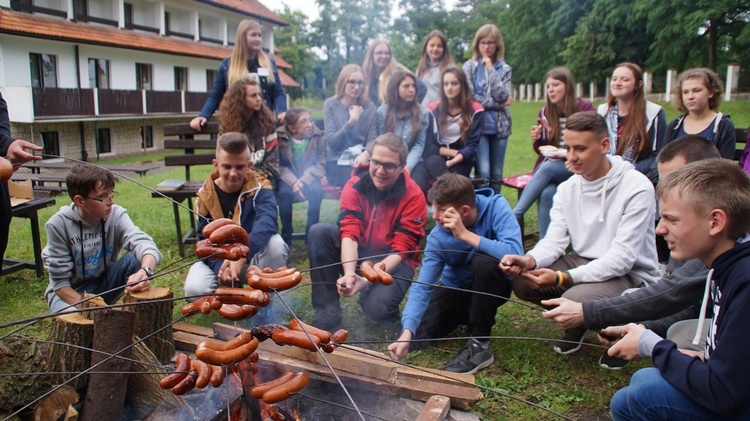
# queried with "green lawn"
point(572, 385)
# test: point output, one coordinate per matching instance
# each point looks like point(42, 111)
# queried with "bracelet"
point(559, 278)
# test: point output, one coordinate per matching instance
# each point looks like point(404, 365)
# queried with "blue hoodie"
point(500, 234)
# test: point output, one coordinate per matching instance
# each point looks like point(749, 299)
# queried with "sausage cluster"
point(211, 303)
point(191, 373)
point(272, 281)
point(225, 240)
point(301, 335)
point(375, 272)
point(281, 388)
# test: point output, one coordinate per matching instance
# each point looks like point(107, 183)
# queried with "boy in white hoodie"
point(605, 212)
point(84, 241)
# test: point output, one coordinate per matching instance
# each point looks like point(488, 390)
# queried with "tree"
point(294, 42)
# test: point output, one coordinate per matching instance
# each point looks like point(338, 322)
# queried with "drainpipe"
point(81, 128)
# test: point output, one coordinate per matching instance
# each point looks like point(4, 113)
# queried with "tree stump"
point(52, 407)
point(71, 329)
point(151, 317)
point(105, 397)
point(145, 397)
point(96, 302)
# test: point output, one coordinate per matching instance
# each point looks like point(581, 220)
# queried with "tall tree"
point(294, 42)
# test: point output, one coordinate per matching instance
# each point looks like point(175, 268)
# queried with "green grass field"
point(572, 385)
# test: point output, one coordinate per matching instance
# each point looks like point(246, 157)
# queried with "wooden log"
point(145, 396)
point(151, 317)
point(105, 397)
point(22, 356)
point(92, 303)
point(53, 406)
point(72, 329)
point(436, 409)
point(71, 415)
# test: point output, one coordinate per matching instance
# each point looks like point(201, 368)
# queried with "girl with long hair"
point(302, 160)
point(243, 110)
point(349, 119)
point(404, 116)
point(698, 96)
point(550, 171)
point(637, 127)
point(459, 125)
point(435, 58)
point(489, 79)
point(247, 58)
point(379, 66)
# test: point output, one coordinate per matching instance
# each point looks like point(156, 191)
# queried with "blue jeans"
point(117, 275)
point(490, 160)
point(285, 198)
point(650, 397)
point(543, 186)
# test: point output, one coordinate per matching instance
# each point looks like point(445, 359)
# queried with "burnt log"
point(105, 397)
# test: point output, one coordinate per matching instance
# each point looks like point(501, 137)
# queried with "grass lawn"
point(572, 385)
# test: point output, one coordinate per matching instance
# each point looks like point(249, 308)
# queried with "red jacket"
point(383, 222)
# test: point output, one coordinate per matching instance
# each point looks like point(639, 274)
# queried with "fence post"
point(592, 90)
point(733, 74)
point(522, 92)
point(671, 83)
point(579, 90)
point(536, 91)
point(528, 92)
point(648, 82)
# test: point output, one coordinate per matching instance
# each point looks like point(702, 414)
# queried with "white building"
point(88, 78)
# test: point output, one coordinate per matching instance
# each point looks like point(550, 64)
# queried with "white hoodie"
point(609, 220)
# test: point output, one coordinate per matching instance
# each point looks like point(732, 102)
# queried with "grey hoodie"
point(69, 238)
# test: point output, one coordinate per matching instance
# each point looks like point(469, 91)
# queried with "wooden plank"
point(368, 370)
point(436, 409)
point(179, 160)
point(194, 329)
point(184, 341)
point(177, 129)
point(189, 144)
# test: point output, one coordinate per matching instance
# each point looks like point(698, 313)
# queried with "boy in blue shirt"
point(705, 215)
point(481, 227)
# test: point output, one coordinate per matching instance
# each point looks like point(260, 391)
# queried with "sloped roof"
point(249, 7)
point(36, 26)
point(287, 80)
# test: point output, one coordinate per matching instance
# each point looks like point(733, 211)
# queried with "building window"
point(43, 70)
point(98, 73)
point(147, 137)
point(81, 10)
point(128, 15)
point(210, 79)
point(22, 6)
point(143, 76)
point(103, 141)
point(50, 143)
point(180, 78)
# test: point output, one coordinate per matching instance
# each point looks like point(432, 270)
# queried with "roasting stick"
point(333, 371)
point(88, 370)
point(499, 392)
point(465, 338)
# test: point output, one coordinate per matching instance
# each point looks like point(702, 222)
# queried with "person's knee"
point(275, 254)
point(523, 291)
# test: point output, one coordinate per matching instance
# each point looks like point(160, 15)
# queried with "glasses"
point(110, 197)
point(388, 167)
point(356, 82)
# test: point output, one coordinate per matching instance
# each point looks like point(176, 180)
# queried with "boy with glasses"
point(383, 211)
point(84, 240)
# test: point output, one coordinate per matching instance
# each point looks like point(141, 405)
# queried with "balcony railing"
point(26, 7)
point(64, 102)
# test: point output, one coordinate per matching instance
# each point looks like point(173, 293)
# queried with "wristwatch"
point(148, 270)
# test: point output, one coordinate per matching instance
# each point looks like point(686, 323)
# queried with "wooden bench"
point(520, 181)
point(141, 170)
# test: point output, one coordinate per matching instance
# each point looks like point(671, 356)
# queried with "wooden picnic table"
point(29, 210)
point(141, 170)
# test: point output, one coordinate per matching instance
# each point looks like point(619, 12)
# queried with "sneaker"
point(470, 359)
point(612, 363)
point(571, 341)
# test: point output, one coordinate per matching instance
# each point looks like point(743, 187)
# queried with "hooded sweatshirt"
point(656, 126)
point(609, 220)
point(76, 254)
point(721, 383)
point(500, 234)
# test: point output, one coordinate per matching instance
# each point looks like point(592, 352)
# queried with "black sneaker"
point(612, 363)
point(571, 341)
point(470, 359)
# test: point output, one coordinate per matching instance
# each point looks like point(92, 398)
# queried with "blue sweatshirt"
point(500, 234)
point(722, 383)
